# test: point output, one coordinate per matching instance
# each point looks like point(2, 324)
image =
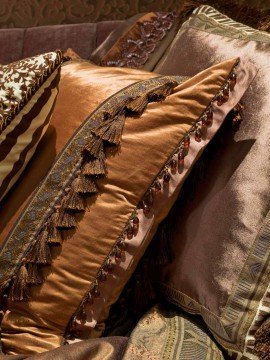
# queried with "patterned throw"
point(28, 90)
point(165, 333)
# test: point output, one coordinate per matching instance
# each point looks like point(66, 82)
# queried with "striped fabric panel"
point(25, 142)
point(18, 141)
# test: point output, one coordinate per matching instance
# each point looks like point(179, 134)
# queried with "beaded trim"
point(134, 52)
point(175, 163)
point(90, 168)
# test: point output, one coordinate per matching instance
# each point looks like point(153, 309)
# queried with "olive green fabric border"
point(208, 19)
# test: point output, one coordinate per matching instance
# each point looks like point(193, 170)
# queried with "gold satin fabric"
point(147, 142)
point(83, 86)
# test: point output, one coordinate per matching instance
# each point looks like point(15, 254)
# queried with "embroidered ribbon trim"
point(134, 52)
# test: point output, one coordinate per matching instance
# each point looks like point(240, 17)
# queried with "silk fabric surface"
point(39, 325)
point(217, 267)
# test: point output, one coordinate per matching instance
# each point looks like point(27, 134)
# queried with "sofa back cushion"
point(16, 44)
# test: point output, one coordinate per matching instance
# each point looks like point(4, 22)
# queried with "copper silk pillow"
point(28, 90)
point(113, 181)
point(221, 238)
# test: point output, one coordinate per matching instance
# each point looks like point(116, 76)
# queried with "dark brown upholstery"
point(18, 13)
point(16, 44)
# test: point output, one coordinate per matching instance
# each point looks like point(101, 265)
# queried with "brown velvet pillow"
point(115, 178)
point(221, 235)
point(139, 42)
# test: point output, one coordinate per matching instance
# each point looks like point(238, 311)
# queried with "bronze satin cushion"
point(221, 237)
point(70, 102)
point(139, 42)
point(28, 90)
point(131, 187)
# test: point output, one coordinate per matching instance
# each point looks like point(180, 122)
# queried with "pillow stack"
point(92, 162)
point(105, 193)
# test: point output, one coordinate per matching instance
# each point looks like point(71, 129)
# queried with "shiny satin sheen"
point(39, 324)
point(214, 233)
point(63, 123)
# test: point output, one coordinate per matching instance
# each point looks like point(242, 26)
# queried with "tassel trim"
point(108, 133)
point(83, 184)
point(176, 161)
point(19, 289)
point(138, 105)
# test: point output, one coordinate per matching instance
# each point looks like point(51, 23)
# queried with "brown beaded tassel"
point(19, 289)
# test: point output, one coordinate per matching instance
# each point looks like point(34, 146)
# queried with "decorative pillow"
point(166, 333)
point(139, 42)
point(28, 90)
point(224, 230)
point(115, 158)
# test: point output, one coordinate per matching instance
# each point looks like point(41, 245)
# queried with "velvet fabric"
point(216, 231)
point(39, 324)
point(16, 44)
point(28, 13)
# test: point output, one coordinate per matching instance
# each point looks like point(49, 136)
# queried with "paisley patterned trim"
point(134, 51)
point(166, 333)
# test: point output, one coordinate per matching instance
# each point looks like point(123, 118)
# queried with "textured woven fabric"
point(168, 334)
